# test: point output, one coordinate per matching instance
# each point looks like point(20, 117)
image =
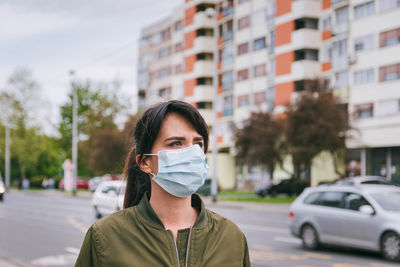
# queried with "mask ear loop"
point(150, 173)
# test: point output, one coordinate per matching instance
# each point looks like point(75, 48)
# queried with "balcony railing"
point(227, 11)
point(227, 35)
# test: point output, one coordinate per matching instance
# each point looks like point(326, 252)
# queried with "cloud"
point(22, 23)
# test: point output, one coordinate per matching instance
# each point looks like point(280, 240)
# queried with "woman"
point(164, 223)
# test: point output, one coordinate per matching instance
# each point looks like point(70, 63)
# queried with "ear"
point(144, 164)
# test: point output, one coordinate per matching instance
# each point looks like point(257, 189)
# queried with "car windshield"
point(388, 200)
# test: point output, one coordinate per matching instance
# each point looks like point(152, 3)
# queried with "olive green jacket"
point(136, 237)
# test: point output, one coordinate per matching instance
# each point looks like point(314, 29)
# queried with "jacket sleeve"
point(89, 254)
point(246, 259)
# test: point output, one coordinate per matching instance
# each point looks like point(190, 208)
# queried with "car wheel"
point(309, 237)
point(390, 246)
point(97, 213)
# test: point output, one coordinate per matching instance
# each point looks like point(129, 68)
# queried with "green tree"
point(316, 122)
point(260, 141)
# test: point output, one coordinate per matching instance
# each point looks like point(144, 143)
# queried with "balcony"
point(227, 35)
point(204, 44)
point(305, 69)
point(339, 3)
point(201, 20)
point(202, 93)
point(306, 8)
point(204, 68)
point(340, 28)
point(227, 11)
point(306, 38)
point(207, 114)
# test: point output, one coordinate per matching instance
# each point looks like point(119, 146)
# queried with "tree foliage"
point(316, 122)
point(260, 141)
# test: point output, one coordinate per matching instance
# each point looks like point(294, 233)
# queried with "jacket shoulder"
point(115, 221)
point(220, 222)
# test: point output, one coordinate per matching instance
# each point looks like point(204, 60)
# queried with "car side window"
point(331, 199)
point(312, 198)
point(353, 201)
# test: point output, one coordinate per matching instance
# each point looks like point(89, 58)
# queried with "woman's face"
point(175, 133)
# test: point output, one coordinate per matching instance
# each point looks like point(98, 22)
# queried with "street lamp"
point(74, 134)
point(211, 13)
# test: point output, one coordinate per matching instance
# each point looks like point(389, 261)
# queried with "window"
point(391, 72)
point(312, 198)
point(178, 68)
point(388, 107)
point(389, 4)
point(204, 81)
point(389, 38)
point(306, 54)
point(179, 25)
point(243, 1)
point(205, 56)
point(165, 73)
point(204, 105)
point(271, 11)
point(164, 92)
point(242, 75)
point(227, 55)
point(365, 43)
point(260, 98)
point(327, 23)
point(163, 53)
point(363, 111)
point(271, 73)
point(271, 46)
point(227, 80)
point(244, 22)
point(353, 201)
point(331, 199)
point(243, 48)
point(364, 77)
point(259, 44)
point(342, 16)
point(341, 79)
point(306, 23)
point(364, 10)
point(178, 47)
point(339, 53)
point(228, 106)
point(243, 100)
point(260, 70)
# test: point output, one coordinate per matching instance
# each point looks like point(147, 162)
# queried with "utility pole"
point(212, 13)
point(74, 135)
point(7, 157)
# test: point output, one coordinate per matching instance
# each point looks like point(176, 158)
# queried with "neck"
point(174, 212)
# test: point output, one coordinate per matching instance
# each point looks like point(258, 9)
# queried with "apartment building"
point(267, 50)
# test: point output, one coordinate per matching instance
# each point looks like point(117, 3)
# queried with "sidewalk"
point(7, 263)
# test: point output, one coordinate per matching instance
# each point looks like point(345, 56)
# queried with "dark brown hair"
point(146, 132)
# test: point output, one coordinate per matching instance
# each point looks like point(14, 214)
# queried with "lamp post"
point(211, 13)
point(7, 157)
point(74, 135)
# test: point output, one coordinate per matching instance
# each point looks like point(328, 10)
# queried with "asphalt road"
point(47, 229)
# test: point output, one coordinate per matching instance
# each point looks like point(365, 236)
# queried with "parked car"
point(362, 216)
point(2, 189)
point(289, 187)
point(80, 184)
point(94, 183)
point(364, 180)
point(108, 198)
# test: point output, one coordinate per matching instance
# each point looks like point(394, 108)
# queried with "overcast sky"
point(52, 37)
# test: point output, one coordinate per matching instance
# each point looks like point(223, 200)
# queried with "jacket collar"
point(147, 213)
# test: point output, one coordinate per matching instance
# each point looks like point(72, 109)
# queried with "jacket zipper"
point(176, 249)
point(187, 248)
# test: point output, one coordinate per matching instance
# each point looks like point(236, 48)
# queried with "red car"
point(80, 184)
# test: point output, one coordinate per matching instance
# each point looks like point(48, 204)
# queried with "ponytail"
point(137, 182)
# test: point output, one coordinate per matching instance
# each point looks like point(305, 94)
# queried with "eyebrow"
point(182, 138)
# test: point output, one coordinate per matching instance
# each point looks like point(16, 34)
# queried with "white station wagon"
point(108, 198)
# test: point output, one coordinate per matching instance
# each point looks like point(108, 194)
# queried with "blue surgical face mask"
point(181, 171)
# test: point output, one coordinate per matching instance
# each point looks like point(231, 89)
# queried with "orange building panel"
point(219, 114)
point(284, 33)
point(219, 16)
point(189, 15)
point(220, 89)
point(220, 139)
point(189, 63)
point(219, 65)
point(326, 66)
point(189, 87)
point(220, 40)
point(326, 4)
point(284, 63)
point(283, 7)
point(326, 35)
point(189, 39)
point(283, 92)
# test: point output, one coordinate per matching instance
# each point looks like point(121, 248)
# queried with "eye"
point(175, 144)
point(200, 144)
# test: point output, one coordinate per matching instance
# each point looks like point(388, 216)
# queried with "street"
point(46, 228)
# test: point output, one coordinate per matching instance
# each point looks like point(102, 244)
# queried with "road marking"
point(290, 240)
point(57, 260)
point(77, 225)
point(263, 228)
